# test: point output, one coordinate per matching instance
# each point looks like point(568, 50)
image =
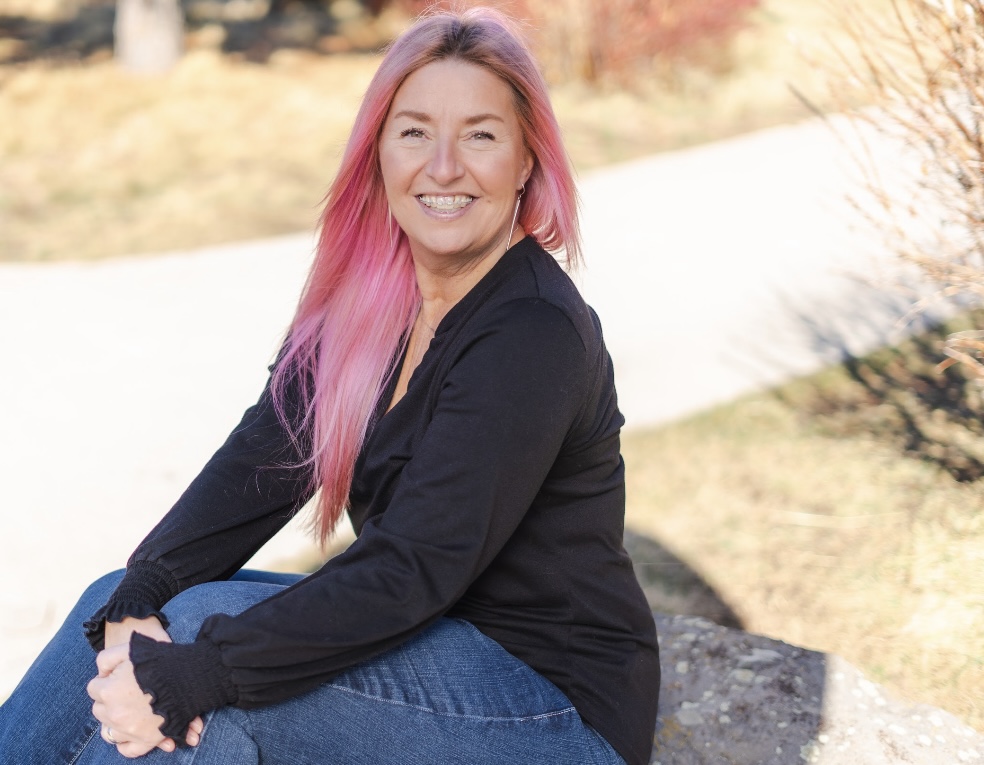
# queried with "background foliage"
point(625, 42)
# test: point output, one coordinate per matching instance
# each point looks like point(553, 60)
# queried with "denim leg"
point(450, 695)
point(48, 718)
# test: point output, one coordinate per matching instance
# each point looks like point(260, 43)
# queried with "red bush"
point(621, 40)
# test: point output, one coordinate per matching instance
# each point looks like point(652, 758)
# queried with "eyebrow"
point(426, 118)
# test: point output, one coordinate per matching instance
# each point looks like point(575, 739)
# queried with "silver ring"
point(108, 733)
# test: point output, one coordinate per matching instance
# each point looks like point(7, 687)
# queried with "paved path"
point(715, 271)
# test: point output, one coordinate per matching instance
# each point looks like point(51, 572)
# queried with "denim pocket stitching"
point(523, 718)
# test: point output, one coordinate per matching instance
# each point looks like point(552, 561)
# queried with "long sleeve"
point(244, 494)
point(505, 402)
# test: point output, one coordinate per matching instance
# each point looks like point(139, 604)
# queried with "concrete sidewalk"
point(715, 271)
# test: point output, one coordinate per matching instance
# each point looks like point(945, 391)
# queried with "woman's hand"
point(123, 709)
point(118, 701)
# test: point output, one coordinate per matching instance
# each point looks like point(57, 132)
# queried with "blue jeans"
point(448, 695)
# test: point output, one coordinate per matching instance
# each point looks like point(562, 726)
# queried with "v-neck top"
point(492, 491)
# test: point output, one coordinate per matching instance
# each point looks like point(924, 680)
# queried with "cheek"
point(502, 176)
point(391, 169)
point(386, 171)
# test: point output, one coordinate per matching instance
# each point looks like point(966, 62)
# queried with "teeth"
point(445, 203)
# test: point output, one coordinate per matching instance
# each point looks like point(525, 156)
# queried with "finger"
point(167, 745)
point(106, 733)
point(111, 658)
point(194, 734)
point(132, 749)
point(94, 688)
point(101, 713)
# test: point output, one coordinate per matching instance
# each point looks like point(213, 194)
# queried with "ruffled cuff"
point(144, 590)
point(183, 680)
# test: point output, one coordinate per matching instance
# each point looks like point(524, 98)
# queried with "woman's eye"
point(484, 135)
point(412, 133)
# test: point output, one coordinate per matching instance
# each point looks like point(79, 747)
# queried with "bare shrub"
point(915, 76)
point(924, 72)
point(622, 42)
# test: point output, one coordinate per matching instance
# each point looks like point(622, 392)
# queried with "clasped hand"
point(120, 705)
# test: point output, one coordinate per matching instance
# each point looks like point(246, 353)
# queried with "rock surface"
point(734, 698)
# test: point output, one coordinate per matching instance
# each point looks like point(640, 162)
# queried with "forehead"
point(453, 87)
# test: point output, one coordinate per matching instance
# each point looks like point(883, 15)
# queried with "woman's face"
point(453, 159)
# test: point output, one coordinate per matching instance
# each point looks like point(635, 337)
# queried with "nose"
point(445, 164)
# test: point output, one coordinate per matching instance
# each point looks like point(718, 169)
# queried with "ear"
point(527, 169)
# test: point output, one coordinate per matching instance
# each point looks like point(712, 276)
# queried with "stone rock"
point(731, 697)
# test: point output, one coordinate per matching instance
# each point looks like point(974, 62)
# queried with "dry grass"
point(94, 163)
point(836, 544)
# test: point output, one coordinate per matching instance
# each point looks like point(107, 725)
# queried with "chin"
point(451, 247)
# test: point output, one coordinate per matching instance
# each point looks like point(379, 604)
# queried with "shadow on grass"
point(899, 395)
point(89, 32)
point(877, 377)
point(673, 587)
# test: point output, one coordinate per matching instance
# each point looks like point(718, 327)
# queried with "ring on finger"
point(108, 736)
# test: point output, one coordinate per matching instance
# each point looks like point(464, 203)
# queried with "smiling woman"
point(454, 164)
point(444, 384)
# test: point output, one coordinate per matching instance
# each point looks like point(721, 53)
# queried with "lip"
point(449, 205)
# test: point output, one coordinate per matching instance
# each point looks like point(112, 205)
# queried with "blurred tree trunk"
point(148, 35)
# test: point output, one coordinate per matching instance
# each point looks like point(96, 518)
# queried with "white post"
point(148, 35)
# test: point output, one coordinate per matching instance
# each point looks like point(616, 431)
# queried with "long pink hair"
point(361, 296)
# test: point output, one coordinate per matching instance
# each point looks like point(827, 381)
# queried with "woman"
point(444, 383)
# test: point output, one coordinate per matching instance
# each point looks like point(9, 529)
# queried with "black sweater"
point(492, 492)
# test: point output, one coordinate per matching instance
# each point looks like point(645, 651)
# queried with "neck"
point(442, 286)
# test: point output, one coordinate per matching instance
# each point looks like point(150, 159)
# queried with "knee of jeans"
point(187, 610)
point(97, 593)
point(185, 613)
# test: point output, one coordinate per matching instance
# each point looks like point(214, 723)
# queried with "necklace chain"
point(433, 330)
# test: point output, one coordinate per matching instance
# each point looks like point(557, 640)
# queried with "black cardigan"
point(492, 492)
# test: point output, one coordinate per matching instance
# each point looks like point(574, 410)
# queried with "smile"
point(446, 203)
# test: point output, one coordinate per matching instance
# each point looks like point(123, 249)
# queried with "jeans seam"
point(541, 716)
point(82, 748)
